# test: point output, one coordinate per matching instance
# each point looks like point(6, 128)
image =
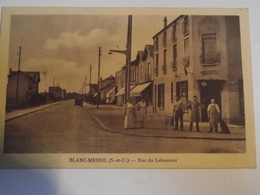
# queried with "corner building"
point(199, 55)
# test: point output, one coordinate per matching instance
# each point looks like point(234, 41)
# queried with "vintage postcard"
point(126, 88)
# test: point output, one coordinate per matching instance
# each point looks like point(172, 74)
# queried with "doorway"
point(209, 90)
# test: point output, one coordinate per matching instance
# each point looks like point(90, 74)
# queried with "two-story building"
point(22, 85)
point(199, 55)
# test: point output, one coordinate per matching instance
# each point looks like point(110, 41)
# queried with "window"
point(185, 28)
point(156, 43)
point(164, 69)
point(209, 49)
point(149, 68)
point(157, 64)
point(174, 37)
point(142, 72)
point(161, 95)
point(164, 39)
point(182, 90)
point(148, 71)
point(174, 56)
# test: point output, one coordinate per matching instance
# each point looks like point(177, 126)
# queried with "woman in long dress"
point(129, 113)
point(142, 106)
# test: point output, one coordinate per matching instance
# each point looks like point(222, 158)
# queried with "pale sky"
point(64, 46)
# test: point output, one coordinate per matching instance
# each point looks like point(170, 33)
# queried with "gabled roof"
point(174, 21)
point(139, 57)
point(133, 63)
point(111, 77)
point(112, 83)
point(35, 76)
point(149, 48)
point(148, 51)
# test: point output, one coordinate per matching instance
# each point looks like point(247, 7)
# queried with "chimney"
point(165, 22)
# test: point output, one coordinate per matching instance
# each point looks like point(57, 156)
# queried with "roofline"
point(168, 25)
point(24, 73)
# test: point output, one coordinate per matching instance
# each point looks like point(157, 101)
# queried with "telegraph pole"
point(127, 53)
point(129, 47)
point(18, 75)
point(99, 59)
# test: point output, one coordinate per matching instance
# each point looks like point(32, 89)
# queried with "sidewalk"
point(18, 113)
point(111, 118)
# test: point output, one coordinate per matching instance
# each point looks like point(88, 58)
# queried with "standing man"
point(195, 107)
point(178, 111)
point(213, 115)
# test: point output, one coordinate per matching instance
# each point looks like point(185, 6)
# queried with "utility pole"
point(129, 47)
point(99, 59)
point(90, 70)
point(18, 75)
point(127, 52)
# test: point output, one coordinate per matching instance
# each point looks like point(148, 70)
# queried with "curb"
point(158, 136)
point(30, 112)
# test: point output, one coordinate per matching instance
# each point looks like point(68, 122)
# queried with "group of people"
point(136, 113)
point(194, 106)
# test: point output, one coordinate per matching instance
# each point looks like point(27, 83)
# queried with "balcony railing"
point(164, 68)
point(210, 62)
point(156, 71)
point(186, 61)
point(174, 65)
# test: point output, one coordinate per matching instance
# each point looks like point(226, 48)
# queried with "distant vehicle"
point(78, 101)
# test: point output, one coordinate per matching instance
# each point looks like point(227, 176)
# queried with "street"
point(65, 128)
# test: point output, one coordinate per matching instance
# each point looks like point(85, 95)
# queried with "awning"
point(122, 90)
point(210, 77)
point(111, 92)
point(138, 89)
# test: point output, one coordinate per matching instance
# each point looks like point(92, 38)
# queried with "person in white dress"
point(129, 114)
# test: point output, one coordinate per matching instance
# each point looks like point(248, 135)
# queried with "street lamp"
point(127, 53)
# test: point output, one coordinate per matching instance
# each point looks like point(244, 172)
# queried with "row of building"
point(192, 55)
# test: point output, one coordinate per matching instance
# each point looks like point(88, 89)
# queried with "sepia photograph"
point(126, 88)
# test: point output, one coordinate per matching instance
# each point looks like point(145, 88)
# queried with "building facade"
point(105, 86)
point(120, 87)
point(201, 56)
point(143, 79)
point(22, 85)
